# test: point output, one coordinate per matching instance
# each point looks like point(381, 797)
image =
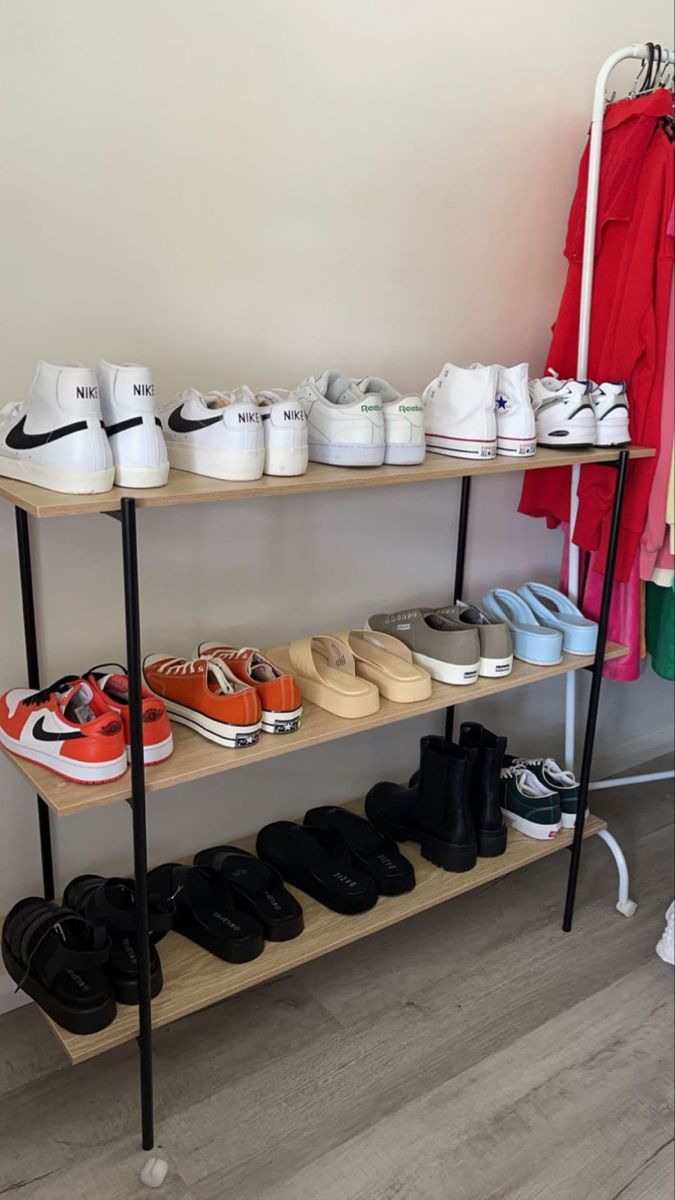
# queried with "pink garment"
point(624, 612)
point(654, 544)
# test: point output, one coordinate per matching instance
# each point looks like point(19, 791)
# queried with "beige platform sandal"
point(388, 663)
point(325, 671)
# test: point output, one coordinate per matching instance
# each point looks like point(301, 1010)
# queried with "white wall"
point(251, 192)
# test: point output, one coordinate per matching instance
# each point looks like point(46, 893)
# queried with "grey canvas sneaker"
point(496, 646)
point(450, 652)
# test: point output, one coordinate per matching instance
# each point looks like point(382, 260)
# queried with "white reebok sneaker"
point(403, 422)
point(563, 411)
point(516, 432)
point(55, 438)
point(217, 434)
point(610, 403)
point(127, 396)
point(344, 427)
point(285, 429)
point(459, 413)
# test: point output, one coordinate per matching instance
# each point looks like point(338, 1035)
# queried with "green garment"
point(661, 629)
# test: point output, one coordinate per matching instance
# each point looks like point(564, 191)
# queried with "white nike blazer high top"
point(127, 395)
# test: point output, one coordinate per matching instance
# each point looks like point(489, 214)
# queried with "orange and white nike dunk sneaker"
point(204, 695)
point(110, 685)
point(61, 729)
point(279, 694)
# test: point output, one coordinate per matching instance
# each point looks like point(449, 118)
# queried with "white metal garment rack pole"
point(639, 52)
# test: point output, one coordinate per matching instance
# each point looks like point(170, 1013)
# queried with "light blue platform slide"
point(532, 642)
point(555, 609)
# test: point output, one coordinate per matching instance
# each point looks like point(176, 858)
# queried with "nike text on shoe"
point(496, 645)
point(403, 422)
point(450, 653)
point(610, 404)
point(279, 694)
point(516, 432)
point(60, 729)
point(564, 412)
point(55, 438)
point(219, 434)
point(127, 395)
point(528, 805)
point(285, 430)
point(459, 412)
point(207, 697)
point(344, 427)
point(110, 688)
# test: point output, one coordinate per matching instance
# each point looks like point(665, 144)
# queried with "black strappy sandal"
point(206, 912)
point(376, 853)
point(112, 904)
point(58, 959)
point(318, 862)
point(257, 888)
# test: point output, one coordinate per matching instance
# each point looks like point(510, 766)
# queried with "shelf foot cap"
point(627, 908)
point(154, 1172)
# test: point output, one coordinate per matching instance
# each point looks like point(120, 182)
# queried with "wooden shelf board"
point(194, 979)
point(185, 488)
point(195, 757)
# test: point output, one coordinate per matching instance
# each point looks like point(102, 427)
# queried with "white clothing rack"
point(639, 52)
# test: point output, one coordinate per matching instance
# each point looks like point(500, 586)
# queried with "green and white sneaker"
point(558, 780)
point(528, 804)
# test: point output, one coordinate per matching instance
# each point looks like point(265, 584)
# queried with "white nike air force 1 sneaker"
point(344, 427)
point(127, 396)
point(55, 438)
point(459, 412)
point(403, 422)
point(564, 412)
point(610, 404)
point(285, 429)
point(218, 434)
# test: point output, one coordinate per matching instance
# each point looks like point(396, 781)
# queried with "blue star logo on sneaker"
point(503, 404)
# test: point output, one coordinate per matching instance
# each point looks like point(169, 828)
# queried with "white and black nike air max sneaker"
point(219, 434)
point(564, 412)
point(55, 438)
point(127, 396)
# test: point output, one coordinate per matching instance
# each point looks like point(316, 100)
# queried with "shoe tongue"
point(557, 773)
point(243, 395)
point(219, 678)
point(531, 786)
point(75, 703)
point(259, 669)
point(335, 387)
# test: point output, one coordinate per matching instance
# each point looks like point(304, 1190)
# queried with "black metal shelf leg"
point(596, 684)
point(458, 587)
point(133, 637)
point(33, 673)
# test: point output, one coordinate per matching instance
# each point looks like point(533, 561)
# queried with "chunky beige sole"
point(389, 666)
point(336, 692)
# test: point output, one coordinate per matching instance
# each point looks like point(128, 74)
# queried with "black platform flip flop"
point(58, 959)
point(257, 888)
point(206, 912)
point(318, 862)
point(376, 853)
point(112, 904)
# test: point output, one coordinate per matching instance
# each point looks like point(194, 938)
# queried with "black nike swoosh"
point(18, 440)
point(180, 425)
point(43, 735)
point(131, 423)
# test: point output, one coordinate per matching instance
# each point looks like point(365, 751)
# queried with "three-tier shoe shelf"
point(193, 978)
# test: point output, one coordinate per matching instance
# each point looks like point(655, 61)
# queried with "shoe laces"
point(41, 697)
point(215, 666)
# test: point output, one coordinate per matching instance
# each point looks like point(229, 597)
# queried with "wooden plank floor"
point(473, 1052)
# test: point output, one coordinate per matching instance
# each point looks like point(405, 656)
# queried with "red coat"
point(631, 290)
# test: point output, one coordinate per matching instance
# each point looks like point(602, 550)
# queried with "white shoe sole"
point(285, 462)
point(141, 477)
point(156, 753)
point(75, 483)
point(575, 433)
point(217, 464)
point(532, 829)
point(494, 668)
point(281, 722)
point(224, 734)
point(517, 447)
point(569, 820)
point(459, 448)
point(613, 430)
point(338, 455)
point(69, 768)
point(405, 455)
point(457, 674)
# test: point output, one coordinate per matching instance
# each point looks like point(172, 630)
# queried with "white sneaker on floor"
point(285, 429)
point(516, 432)
point(665, 947)
point(459, 412)
point(127, 395)
point(344, 427)
point(55, 438)
point(403, 422)
point(564, 412)
point(610, 403)
point(218, 434)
